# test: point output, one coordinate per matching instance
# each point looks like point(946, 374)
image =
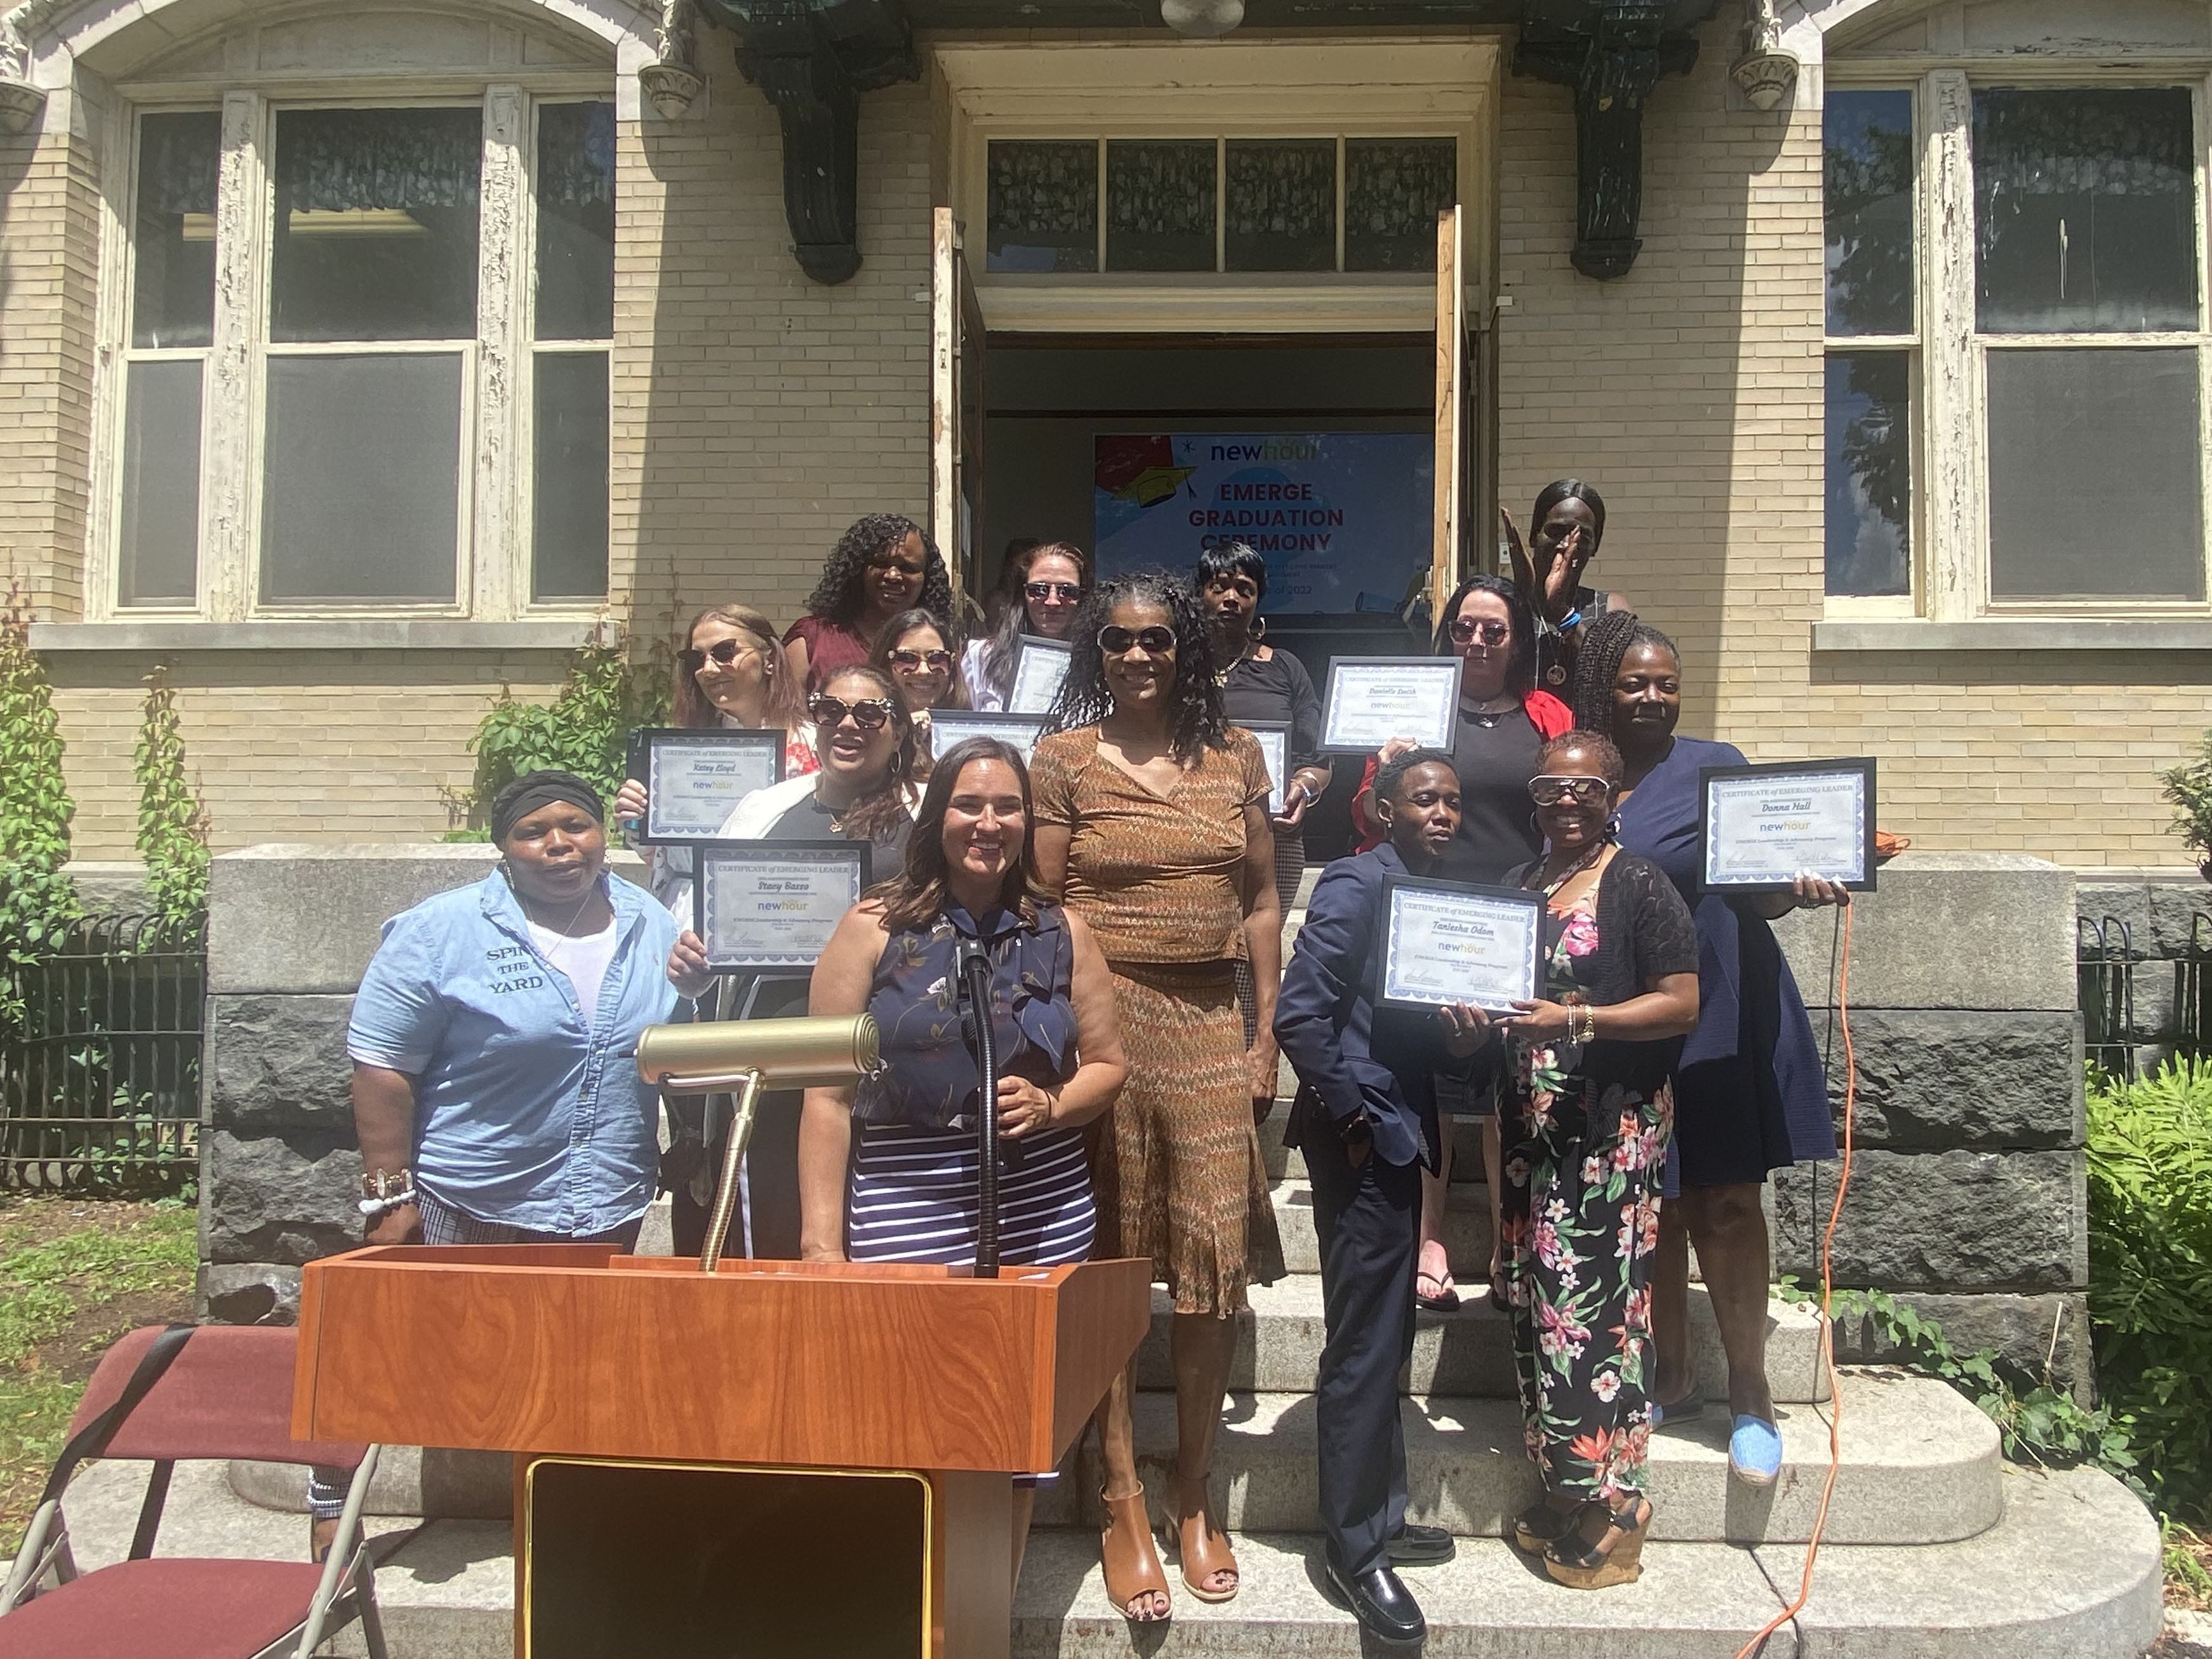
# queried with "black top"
point(1555, 660)
point(1278, 688)
point(1498, 821)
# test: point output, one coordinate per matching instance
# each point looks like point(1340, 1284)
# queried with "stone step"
point(1281, 1161)
point(1919, 1466)
point(1465, 1230)
point(1467, 1352)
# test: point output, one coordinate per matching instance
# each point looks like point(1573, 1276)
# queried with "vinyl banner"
point(1342, 518)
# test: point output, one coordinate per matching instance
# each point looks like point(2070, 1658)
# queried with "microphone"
point(971, 971)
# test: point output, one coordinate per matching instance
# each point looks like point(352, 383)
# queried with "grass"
point(78, 1273)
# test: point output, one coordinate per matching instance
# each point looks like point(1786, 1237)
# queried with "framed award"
point(1371, 700)
point(1451, 942)
point(1040, 665)
point(1274, 740)
point(770, 905)
point(951, 726)
point(694, 778)
point(1761, 827)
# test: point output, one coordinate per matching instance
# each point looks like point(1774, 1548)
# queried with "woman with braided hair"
point(882, 565)
point(1750, 1095)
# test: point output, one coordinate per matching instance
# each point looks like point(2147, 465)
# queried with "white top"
point(750, 819)
point(982, 698)
point(583, 957)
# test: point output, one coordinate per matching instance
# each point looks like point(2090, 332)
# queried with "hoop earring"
point(1259, 629)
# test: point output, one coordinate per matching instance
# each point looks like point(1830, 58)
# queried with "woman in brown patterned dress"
point(1152, 819)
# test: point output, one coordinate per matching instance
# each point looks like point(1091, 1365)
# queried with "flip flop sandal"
point(1445, 1299)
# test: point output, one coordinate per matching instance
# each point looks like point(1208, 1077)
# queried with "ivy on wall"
point(172, 821)
point(37, 900)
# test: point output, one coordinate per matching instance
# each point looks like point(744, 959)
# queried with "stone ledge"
point(278, 1062)
point(146, 636)
point(1933, 1079)
point(2104, 635)
point(2030, 1332)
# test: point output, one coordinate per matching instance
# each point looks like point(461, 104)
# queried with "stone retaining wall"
point(2157, 910)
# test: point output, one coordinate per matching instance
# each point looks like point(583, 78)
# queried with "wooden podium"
point(776, 1458)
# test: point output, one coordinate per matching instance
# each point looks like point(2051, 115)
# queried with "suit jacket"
point(1347, 1053)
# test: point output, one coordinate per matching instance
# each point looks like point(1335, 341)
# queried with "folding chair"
point(170, 1395)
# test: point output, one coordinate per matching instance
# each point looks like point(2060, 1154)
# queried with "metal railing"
point(102, 1086)
point(2104, 978)
point(2192, 992)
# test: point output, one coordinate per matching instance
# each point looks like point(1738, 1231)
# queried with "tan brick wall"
point(1689, 393)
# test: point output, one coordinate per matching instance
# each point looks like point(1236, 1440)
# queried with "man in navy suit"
point(1366, 1116)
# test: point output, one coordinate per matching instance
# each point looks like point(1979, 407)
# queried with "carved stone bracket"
point(672, 80)
point(20, 100)
point(811, 59)
point(1612, 64)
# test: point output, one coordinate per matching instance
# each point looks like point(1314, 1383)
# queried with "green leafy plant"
point(37, 900)
point(2188, 789)
point(584, 730)
point(172, 822)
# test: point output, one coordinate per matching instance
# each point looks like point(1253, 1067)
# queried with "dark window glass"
point(1867, 165)
point(1044, 206)
point(569, 520)
point(575, 187)
point(1869, 493)
point(376, 224)
point(1394, 189)
point(160, 528)
point(2085, 209)
point(172, 300)
point(2095, 480)
point(1281, 205)
point(1159, 205)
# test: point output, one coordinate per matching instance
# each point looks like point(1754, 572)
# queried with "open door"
point(956, 408)
point(1453, 474)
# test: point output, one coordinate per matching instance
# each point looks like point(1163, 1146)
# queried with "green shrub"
point(2188, 789)
point(37, 900)
point(172, 824)
point(2150, 1273)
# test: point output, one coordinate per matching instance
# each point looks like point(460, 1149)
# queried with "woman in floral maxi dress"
point(1586, 1133)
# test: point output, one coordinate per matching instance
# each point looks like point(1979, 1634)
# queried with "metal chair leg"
point(348, 1551)
point(372, 1619)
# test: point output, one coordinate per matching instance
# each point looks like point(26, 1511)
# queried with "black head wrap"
point(535, 789)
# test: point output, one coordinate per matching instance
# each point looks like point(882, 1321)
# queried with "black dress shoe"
point(1384, 1607)
point(1416, 1544)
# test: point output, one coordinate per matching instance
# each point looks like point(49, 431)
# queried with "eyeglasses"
point(1463, 631)
point(1070, 591)
point(869, 714)
point(1116, 640)
point(1550, 789)
point(723, 652)
point(911, 660)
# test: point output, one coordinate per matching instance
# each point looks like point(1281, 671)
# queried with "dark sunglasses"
point(1463, 630)
point(912, 659)
point(1116, 640)
point(723, 652)
point(1069, 591)
point(869, 714)
point(904, 567)
point(1550, 789)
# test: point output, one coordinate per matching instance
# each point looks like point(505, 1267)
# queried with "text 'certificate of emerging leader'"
point(1448, 942)
point(763, 905)
point(1764, 825)
point(1372, 700)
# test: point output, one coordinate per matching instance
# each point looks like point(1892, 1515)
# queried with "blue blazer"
point(1346, 1052)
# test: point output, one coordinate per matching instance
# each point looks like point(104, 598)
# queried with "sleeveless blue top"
point(928, 1078)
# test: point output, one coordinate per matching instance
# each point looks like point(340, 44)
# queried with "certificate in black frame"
point(1029, 647)
point(758, 749)
point(1780, 772)
point(1280, 777)
point(718, 861)
point(1516, 897)
point(1434, 665)
point(983, 725)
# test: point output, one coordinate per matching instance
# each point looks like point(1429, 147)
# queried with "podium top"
point(581, 1350)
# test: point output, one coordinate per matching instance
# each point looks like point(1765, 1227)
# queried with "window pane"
point(1159, 205)
point(360, 500)
point(1044, 207)
point(1868, 137)
point(2094, 483)
point(2084, 210)
point(1869, 508)
point(1282, 204)
point(568, 523)
point(1394, 189)
point(376, 224)
point(160, 534)
point(173, 238)
point(576, 222)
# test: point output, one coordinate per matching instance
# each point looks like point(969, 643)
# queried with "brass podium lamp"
point(748, 1056)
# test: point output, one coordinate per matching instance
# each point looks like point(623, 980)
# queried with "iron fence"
point(2103, 952)
point(2192, 992)
point(101, 1085)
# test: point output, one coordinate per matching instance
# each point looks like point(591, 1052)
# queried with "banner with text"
point(1342, 518)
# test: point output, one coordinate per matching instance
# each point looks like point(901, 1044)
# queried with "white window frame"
point(494, 542)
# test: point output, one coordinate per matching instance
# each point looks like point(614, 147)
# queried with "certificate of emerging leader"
point(1450, 942)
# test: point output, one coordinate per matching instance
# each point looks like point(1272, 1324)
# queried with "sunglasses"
point(911, 660)
point(1549, 790)
point(904, 567)
point(869, 714)
point(1069, 591)
point(1116, 640)
point(1464, 630)
point(723, 652)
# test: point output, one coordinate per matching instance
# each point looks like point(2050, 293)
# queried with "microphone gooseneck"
point(972, 978)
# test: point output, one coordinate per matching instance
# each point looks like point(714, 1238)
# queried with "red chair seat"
point(164, 1608)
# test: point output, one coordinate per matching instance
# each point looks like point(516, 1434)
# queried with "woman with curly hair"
point(881, 565)
point(1151, 820)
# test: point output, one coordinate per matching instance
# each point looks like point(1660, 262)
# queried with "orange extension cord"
point(1827, 1292)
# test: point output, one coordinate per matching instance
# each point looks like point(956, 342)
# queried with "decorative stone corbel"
point(1766, 72)
point(20, 100)
point(1612, 66)
point(672, 80)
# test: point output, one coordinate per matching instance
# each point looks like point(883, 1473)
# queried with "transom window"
point(1220, 203)
point(373, 436)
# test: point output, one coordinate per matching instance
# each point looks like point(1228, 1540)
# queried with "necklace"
point(590, 894)
point(1488, 711)
point(1551, 888)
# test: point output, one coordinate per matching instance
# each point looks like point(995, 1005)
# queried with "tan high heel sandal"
point(1125, 1550)
point(1201, 1551)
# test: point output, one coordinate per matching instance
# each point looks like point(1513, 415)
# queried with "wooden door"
point(955, 407)
point(1453, 475)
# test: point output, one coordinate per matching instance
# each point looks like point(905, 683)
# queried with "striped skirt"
point(914, 1195)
